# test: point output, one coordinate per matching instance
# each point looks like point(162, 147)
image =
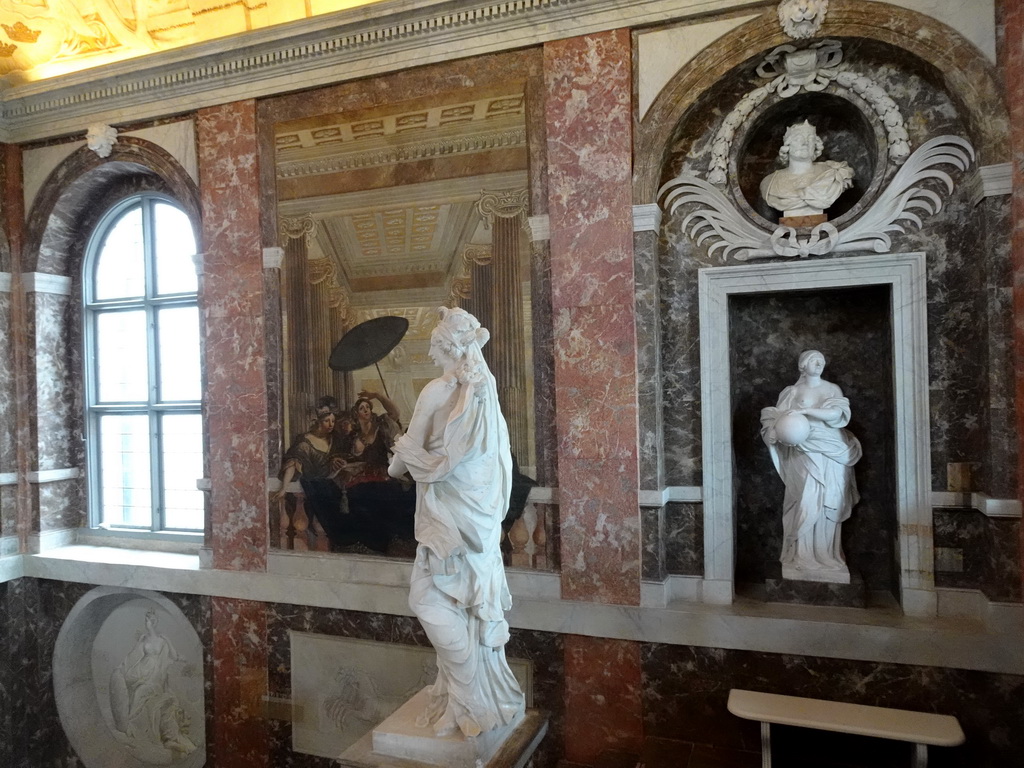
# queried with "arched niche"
point(948, 58)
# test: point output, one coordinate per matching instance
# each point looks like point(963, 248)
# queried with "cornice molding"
point(361, 42)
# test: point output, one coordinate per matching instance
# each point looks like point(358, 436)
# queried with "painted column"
point(589, 146)
point(1010, 16)
point(233, 311)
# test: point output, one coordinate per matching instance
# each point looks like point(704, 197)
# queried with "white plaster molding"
point(675, 588)
point(9, 545)
point(348, 45)
point(647, 218)
point(540, 227)
point(540, 494)
point(8, 478)
point(52, 540)
point(42, 282)
point(868, 635)
point(273, 257)
point(204, 484)
point(54, 475)
point(996, 179)
point(12, 567)
point(979, 501)
point(718, 221)
point(199, 262)
point(680, 493)
point(5, 282)
point(905, 274)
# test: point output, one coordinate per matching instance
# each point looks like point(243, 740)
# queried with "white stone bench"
point(919, 728)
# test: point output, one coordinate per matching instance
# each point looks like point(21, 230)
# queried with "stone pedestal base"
point(779, 588)
point(801, 222)
point(399, 743)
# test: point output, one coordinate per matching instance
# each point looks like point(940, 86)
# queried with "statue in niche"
point(814, 456)
point(148, 717)
point(457, 450)
point(802, 18)
point(805, 189)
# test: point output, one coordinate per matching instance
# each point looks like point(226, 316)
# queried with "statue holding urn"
point(814, 455)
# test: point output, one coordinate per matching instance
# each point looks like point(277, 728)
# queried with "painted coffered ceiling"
point(45, 38)
point(389, 197)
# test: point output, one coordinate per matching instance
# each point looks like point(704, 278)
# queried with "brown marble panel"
point(240, 737)
point(603, 698)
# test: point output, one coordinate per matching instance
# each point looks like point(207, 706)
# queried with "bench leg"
point(920, 756)
point(766, 745)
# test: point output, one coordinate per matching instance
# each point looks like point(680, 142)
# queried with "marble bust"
point(457, 450)
point(814, 456)
point(805, 187)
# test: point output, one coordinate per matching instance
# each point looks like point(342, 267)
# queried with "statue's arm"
point(433, 397)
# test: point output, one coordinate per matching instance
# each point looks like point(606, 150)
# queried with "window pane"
point(120, 267)
point(121, 357)
point(182, 449)
point(175, 246)
point(178, 345)
point(125, 487)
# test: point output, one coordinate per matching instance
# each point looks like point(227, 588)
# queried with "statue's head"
point(802, 18)
point(809, 356)
point(457, 340)
point(801, 142)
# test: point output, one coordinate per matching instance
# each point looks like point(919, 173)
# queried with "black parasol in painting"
point(368, 343)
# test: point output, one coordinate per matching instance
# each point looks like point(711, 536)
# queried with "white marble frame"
point(905, 273)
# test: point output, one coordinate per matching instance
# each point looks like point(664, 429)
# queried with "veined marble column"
point(234, 351)
point(590, 207)
point(505, 213)
point(589, 144)
point(1010, 16)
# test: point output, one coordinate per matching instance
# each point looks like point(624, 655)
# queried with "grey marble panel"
point(851, 327)
point(652, 543)
point(684, 539)
point(648, 332)
point(61, 504)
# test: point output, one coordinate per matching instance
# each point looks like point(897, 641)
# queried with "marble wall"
point(969, 332)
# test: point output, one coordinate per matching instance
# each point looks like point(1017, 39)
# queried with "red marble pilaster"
point(603, 708)
point(232, 302)
point(1010, 18)
point(589, 146)
point(240, 736)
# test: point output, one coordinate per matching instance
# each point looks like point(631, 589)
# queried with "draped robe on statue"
point(820, 487)
point(458, 589)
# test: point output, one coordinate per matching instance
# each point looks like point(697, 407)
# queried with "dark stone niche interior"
point(844, 129)
point(767, 333)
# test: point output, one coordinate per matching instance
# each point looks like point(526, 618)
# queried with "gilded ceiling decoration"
point(46, 38)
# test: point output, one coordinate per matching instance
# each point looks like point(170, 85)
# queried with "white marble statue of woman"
point(457, 450)
point(814, 456)
point(148, 717)
point(805, 187)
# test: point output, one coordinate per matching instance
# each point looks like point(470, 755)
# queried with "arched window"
point(143, 382)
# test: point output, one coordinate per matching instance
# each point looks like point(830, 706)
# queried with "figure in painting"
point(805, 187)
point(315, 458)
point(372, 493)
point(814, 456)
point(148, 718)
point(457, 450)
